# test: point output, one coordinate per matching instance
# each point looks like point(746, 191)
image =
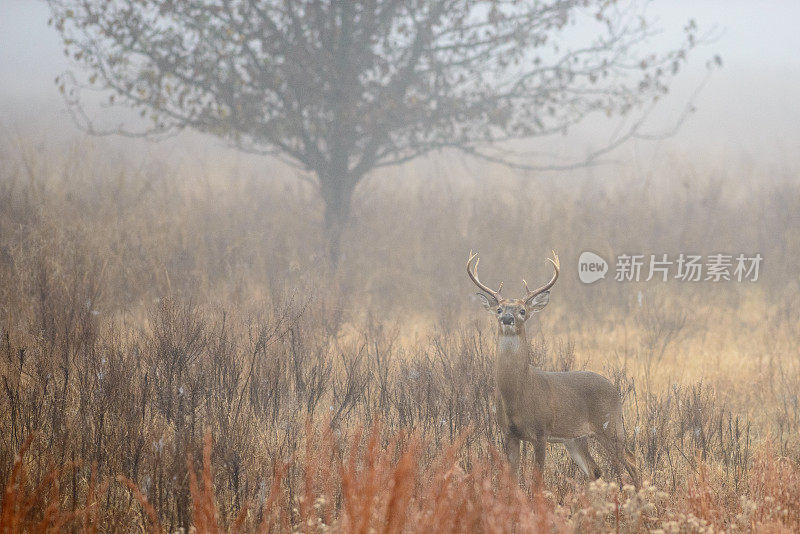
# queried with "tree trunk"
point(337, 194)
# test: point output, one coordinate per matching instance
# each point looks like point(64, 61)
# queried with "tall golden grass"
point(151, 315)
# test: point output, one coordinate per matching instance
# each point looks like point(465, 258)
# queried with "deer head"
point(512, 313)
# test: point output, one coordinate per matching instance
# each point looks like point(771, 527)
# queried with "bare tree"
point(339, 87)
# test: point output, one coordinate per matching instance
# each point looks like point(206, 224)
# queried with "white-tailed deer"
point(540, 406)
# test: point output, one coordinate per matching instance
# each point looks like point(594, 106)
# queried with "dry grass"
point(392, 487)
point(143, 307)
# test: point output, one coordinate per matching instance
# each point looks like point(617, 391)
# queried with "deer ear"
point(538, 302)
point(488, 302)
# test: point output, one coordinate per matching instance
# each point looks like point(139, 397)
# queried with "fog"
point(166, 302)
point(746, 110)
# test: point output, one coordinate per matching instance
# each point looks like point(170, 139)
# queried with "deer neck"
point(512, 361)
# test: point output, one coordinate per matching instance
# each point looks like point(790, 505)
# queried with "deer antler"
point(548, 285)
point(472, 271)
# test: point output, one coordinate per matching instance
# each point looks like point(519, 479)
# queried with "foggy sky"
point(749, 106)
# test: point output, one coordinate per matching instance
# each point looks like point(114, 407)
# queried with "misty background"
point(150, 292)
point(747, 113)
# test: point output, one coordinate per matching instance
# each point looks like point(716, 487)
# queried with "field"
point(176, 352)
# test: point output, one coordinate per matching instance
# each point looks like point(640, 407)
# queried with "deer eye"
point(499, 310)
point(522, 312)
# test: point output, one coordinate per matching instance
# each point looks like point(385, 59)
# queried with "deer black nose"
point(507, 318)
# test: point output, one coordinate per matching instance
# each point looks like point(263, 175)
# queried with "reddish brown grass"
point(384, 483)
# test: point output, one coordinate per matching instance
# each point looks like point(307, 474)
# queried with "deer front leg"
point(539, 448)
point(511, 447)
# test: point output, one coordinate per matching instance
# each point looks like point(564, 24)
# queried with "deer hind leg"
point(578, 450)
point(630, 466)
point(612, 438)
point(511, 448)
